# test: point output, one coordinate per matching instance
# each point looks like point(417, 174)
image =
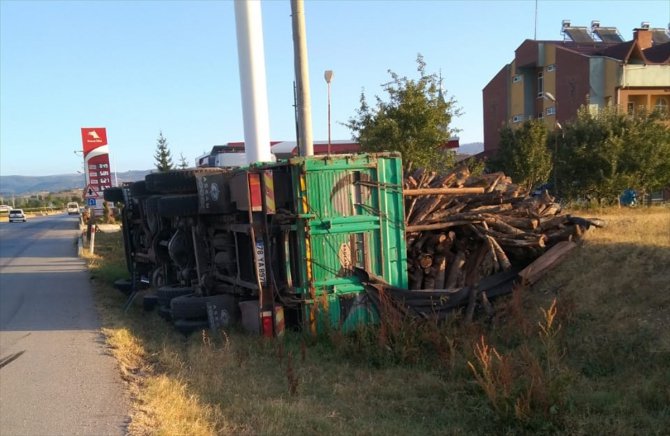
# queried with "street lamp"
point(328, 75)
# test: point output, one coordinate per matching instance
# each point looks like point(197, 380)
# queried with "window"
point(516, 78)
point(551, 68)
point(517, 118)
point(540, 84)
point(631, 108)
point(540, 115)
point(551, 110)
point(662, 105)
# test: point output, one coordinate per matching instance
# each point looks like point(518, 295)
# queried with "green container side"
point(352, 215)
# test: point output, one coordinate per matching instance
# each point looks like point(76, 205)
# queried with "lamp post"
point(549, 96)
point(328, 75)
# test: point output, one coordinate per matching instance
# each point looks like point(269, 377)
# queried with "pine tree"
point(183, 164)
point(163, 156)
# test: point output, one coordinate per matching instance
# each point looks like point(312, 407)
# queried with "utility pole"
point(302, 77)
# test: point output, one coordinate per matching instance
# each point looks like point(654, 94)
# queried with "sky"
point(143, 67)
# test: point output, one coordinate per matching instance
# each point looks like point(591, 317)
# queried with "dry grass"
point(583, 352)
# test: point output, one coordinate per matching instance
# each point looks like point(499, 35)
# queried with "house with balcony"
point(596, 68)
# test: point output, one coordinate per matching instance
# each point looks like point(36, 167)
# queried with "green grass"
point(599, 365)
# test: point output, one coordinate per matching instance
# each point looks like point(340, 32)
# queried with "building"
point(287, 149)
point(551, 80)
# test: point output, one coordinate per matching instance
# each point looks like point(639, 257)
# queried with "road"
point(56, 376)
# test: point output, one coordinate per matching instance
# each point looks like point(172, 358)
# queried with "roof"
point(656, 54)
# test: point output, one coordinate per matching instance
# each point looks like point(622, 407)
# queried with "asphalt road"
point(56, 376)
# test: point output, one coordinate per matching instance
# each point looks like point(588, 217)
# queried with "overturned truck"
point(269, 245)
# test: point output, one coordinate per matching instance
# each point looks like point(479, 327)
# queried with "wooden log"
point(425, 261)
point(441, 272)
point(491, 209)
point(564, 234)
point(455, 270)
point(519, 222)
point(551, 209)
point(444, 245)
point(415, 278)
point(503, 260)
point(437, 226)
point(424, 210)
point(533, 272)
point(442, 191)
point(539, 242)
point(501, 226)
point(552, 222)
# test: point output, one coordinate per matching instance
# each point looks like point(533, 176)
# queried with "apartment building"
point(592, 67)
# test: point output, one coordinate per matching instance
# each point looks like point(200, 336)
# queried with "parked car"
point(17, 215)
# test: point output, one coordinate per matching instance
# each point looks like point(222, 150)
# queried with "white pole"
point(251, 61)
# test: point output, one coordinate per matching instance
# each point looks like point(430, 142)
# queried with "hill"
point(21, 185)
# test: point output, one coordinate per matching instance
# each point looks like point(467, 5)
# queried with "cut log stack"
point(462, 228)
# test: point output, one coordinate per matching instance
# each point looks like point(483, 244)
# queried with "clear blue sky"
point(137, 68)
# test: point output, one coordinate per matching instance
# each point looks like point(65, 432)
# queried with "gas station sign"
point(96, 161)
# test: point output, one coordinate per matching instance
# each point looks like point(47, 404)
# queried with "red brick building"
point(594, 67)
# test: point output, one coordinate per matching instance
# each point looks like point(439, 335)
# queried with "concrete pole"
point(253, 85)
point(302, 78)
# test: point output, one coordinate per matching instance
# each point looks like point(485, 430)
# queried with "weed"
point(291, 376)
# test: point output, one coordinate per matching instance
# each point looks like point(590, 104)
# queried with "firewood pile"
point(462, 228)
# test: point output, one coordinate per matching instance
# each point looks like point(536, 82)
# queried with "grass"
point(585, 351)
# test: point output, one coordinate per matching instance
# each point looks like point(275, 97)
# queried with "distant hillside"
point(20, 185)
point(471, 148)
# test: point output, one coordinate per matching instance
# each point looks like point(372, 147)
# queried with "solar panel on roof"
point(578, 34)
point(660, 36)
point(608, 34)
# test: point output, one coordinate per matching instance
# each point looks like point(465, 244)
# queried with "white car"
point(17, 215)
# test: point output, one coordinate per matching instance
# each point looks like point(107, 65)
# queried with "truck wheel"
point(177, 181)
point(115, 195)
point(124, 285)
point(188, 326)
point(225, 310)
point(149, 302)
point(167, 293)
point(138, 189)
point(165, 313)
point(189, 307)
point(151, 205)
point(178, 205)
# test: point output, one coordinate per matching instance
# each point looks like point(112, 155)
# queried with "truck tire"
point(188, 326)
point(178, 205)
point(149, 302)
point(115, 195)
point(195, 307)
point(138, 189)
point(124, 285)
point(176, 181)
point(167, 293)
point(188, 307)
point(151, 205)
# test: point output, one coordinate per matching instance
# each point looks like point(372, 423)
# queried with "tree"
point(604, 153)
point(183, 164)
point(163, 157)
point(416, 120)
point(524, 154)
point(646, 156)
